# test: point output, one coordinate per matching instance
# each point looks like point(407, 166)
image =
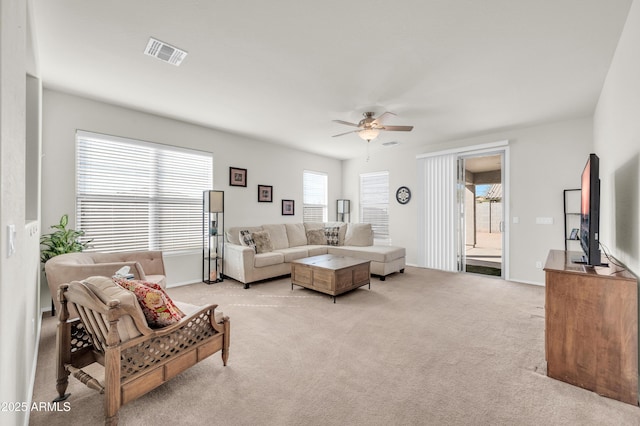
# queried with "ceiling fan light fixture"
point(368, 134)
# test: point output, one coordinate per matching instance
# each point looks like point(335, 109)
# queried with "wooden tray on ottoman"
point(330, 274)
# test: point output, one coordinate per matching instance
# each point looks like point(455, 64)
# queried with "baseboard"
point(527, 282)
point(182, 283)
point(34, 366)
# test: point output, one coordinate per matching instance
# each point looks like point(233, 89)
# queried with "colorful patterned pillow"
point(332, 234)
point(247, 240)
point(157, 306)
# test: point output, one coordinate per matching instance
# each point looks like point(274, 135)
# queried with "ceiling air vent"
point(165, 52)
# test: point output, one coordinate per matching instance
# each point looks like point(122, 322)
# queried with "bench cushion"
point(189, 309)
point(106, 290)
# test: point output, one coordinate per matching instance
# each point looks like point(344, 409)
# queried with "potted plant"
point(61, 241)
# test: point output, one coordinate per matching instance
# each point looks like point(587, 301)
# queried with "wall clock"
point(403, 195)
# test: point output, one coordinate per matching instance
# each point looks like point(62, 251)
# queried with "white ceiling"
point(281, 70)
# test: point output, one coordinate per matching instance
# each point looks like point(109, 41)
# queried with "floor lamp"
point(343, 210)
point(213, 237)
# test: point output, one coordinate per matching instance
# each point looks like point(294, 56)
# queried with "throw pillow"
point(157, 306)
point(332, 234)
point(359, 235)
point(247, 240)
point(263, 242)
point(316, 237)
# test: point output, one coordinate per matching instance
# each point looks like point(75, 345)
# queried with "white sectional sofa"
point(278, 244)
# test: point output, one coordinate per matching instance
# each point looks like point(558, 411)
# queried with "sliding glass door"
point(447, 205)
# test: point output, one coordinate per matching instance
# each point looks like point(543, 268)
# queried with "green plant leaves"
point(61, 241)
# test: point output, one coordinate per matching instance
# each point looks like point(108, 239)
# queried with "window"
point(314, 187)
point(133, 195)
point(374, 204)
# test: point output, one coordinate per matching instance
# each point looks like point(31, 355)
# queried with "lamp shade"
point(216, 201)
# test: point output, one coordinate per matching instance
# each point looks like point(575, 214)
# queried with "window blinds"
point(374, 204)
point(133, 195)
point(314, 202)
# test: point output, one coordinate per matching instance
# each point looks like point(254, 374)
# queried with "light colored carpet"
point(421, 348)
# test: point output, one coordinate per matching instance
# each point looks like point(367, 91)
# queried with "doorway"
point(483, 214)
point(446, 180)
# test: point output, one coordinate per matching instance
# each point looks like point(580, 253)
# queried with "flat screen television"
point(590, 212)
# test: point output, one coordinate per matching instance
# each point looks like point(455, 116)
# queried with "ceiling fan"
point(369, 127)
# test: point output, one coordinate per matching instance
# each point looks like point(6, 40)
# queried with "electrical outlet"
point(538, 264)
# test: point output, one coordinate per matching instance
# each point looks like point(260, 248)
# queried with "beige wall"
point(19, 311)
point(617, 143)
point(544, 160)
point(267, 164)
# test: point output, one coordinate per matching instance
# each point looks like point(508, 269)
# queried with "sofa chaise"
point(257, 253)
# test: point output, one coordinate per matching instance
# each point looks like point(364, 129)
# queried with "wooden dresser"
point(591, 326)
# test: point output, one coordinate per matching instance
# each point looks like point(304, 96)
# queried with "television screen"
point(590, 212)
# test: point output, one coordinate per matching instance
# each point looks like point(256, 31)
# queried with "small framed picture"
point(574, 234)
point(288, 207)
point(265, 193)
point(237, 176)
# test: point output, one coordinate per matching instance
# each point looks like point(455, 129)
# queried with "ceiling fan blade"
point(345, 133)
point(382, 117)
point(345, 122)
point(397, 128)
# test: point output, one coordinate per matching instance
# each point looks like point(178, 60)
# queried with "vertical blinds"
point(314, 192)
point(438, 212)
point(374, 204)
point(134, 195)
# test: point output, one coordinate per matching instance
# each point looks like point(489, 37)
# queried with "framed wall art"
point(288, 207)
point(265, 193)
point(237, 176)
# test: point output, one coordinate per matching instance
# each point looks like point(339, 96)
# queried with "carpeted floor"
point(421, 348)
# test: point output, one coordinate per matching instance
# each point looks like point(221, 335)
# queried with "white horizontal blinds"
point(314, 192)
point(438, 213)
point(374, 204)
point(134, 195)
